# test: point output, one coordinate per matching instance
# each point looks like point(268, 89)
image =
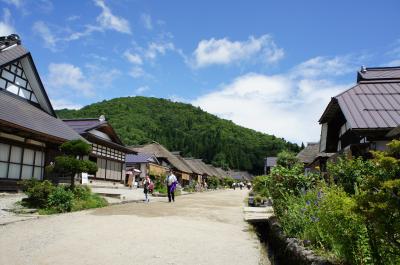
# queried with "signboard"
point(85, 178)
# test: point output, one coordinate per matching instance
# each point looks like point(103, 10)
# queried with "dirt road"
point(205, 228)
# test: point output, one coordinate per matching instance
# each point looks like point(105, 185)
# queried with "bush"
point(37, 191)
point(350, 173)
point(291, 180)
point(287, 159)
point(61, 200)
point(227, 182)
point(213, 182)
point(92, 201)
point(50, 199)
point(262, 185)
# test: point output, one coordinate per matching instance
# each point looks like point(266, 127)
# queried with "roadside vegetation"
point(50, 199)
point(352, 215)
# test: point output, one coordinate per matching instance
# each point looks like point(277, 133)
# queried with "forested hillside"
point(178, 126)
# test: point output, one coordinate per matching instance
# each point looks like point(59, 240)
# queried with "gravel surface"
point(206, 228)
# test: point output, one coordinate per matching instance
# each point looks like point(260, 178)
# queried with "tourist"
point(171, 182)
point(234, 185)
point(146, 188)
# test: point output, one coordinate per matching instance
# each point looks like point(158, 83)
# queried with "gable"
point(20, 78)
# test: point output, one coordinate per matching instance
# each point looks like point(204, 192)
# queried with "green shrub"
point(92, 201)
point(37, 191)
point(82, 192)
point(350, 173)
point(287, 159)
point(213, 182)
point(291, 180)
point(262, 185)
point(343, 231)
point(61, 199)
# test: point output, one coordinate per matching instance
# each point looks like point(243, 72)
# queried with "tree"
point(287, 159)
point(71, 163)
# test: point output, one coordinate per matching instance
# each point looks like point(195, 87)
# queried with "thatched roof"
point(161, 152)
point(222, 172)
point(214, 171)
point(309, 153)
point(194, 165)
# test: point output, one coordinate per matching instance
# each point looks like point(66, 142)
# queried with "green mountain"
point(183, 127)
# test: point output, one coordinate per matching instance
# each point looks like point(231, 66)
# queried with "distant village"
point(362, 118)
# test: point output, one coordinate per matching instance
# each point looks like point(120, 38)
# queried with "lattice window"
point(13, 79)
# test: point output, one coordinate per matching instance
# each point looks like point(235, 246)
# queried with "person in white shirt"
point(171, 182)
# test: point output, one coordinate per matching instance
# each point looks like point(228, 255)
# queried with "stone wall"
point(286, 250)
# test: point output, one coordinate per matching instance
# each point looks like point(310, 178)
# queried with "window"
point(20, 163)
point(13, 79)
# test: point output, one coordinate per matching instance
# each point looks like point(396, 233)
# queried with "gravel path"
point(205, 228)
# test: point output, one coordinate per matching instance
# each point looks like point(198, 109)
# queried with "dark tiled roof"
point(138, 158)
point(19, 112)
point(379, 73)
point(373, 104)
point(83, 125)
point(309, 153)
point(11, 54)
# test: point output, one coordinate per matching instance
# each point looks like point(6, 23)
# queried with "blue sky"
point(268, 65)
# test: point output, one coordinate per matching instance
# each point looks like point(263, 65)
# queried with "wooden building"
point(30, 133)
point(108, 151)
point(148, 164)
point(168, 159)
point(361, 118)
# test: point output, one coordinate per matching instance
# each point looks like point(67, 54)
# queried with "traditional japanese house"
point(360, 118)
point(108, 151)
point(196, 169)
point(222, 172)
point(194, 175)
point(148, 164)
point(308, 154)
point(30, 133)
point(166, 158)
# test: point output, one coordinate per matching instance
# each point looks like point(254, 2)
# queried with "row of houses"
point(31, 133)
point(155, 160)
point(361, 119)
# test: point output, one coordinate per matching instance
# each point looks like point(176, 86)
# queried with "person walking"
point(146, 188)
point(171, 182)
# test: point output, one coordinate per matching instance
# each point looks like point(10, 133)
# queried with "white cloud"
point(6, 27)
point(224, 51)
point(133, 57)
point(137, 72)
point(284, 105)
point(141, 89)
point(155, 48)
point(147, 22)
point(16, 3)
point(73, 18)
point(64, 104)
point(323, 66)
point(64, 76)
point(41, 29)
point(393, 63)
point(107, 20)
